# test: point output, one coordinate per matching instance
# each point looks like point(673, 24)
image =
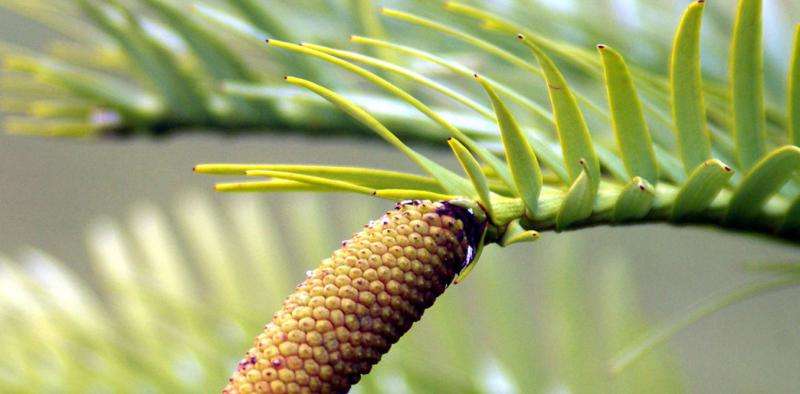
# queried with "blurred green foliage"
point(169, 306)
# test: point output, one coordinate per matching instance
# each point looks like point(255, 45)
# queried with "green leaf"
point(576, 142)
point(462, 36)
point(406, 194)
point(274, 185)
point(329, 184)
point(473, 170)
point(368, 177)
point(702, 187)
point(373, 78)
point(323, 185)
point(688, 106)
point(764, 180)
point(450, 182)
point(405, 72)
point(515, 233)
point(578, 202)
point(543, 118)
point(519, 154)
point(485, 46)
point(794, 92)
point(747, 84)
point(630, 127)
point(332, 185)
point(634, 201)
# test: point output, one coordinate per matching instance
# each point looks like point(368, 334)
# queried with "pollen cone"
point(351, 309)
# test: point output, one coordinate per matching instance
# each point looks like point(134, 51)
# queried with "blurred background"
point(532, 317)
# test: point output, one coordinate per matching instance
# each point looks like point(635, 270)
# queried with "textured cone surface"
point(357, 303)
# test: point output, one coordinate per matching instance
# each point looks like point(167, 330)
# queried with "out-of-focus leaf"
point(186, 98)
point(662, 333)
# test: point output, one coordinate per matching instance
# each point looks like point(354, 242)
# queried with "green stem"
point(544, 218)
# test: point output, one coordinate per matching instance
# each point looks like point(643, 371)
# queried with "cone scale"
point(351, 309)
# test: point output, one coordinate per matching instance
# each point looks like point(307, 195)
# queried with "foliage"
point(726, 162)
point(569, 137)
point(165, 310)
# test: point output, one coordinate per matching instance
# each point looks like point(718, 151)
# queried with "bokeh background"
point(53, 191)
